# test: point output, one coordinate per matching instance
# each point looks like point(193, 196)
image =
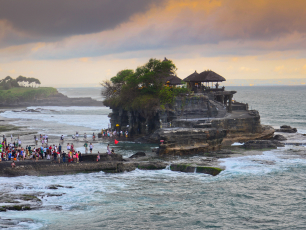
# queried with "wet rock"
point(138, 154)
point(55, 186)
point(263, 144)
point(195, 169)
point(286, 129)
point(15, 208)
point(223, 152)
point(152, 165)
point(279, 137)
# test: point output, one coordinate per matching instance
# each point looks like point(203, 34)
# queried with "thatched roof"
point(191, 77)
point(206, 76)
point(173, 80)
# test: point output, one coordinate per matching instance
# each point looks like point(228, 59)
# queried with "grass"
point(22, 94)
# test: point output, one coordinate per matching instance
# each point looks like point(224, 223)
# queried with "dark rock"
point(279, 137)
point(198, 169)
point(286, 129)
point(55, 186)
point(263, 144)
point(138, 154)
point(223, 152)
point(152, 165)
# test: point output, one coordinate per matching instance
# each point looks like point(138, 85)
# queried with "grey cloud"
point(60, 18)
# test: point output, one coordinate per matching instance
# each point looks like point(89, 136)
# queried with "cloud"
point(45, 20)
point(76, 29)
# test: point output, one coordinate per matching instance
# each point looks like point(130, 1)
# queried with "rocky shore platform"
point(113, 163)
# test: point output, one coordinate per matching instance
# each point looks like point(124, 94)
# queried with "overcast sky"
point(81, 43)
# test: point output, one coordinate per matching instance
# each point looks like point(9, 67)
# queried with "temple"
point(202, 120)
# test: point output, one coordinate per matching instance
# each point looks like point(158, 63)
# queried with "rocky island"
point(186, 117)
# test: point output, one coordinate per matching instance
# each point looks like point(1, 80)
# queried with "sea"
point(265, 191)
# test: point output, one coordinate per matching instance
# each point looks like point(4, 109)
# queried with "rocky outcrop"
point(286, 129)
point(138, 154)
point(263, 144)
point(55, 100)
point(279, 137)
point(195, 169)
point(186, 141)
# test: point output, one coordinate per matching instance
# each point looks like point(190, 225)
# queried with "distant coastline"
point(42, 96)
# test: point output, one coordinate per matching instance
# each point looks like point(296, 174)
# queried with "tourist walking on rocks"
point(77, 157)
point(108, 150)
point(90, 147)
point(64, 157)
point(86, 147)
point(80, 156)
point(98, 157)
point(68, 147)
point(59, 157)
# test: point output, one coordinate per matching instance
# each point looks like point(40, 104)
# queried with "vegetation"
point(8, 82)
point(25, 94)
point(143, 88)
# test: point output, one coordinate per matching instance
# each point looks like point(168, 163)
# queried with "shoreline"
point(151, 161)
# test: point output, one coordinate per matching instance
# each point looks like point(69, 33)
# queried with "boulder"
point(279, 138)
point(263, 144)
point(195, 169)
point(286, 129)
point(138, 154)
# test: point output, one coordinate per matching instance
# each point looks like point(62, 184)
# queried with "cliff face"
point(185, 141)
point(141, 122)
point(196, 123)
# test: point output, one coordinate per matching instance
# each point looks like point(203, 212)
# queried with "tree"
point(9, 82)
point(138, 89)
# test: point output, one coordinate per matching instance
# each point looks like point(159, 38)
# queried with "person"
point(93, 137)
point(77, 135)
point(68, 147)
point(59, 157)
point(85, 136)
point(77, 156)
point(113, 152)
point(13, 164)
point(80, 156)
point(54, 156)
point(90, 147)
point(59, 148)
point(62, 138)
point(64, 157)
point(98, 157)
point(108, 150)
point(86, 149)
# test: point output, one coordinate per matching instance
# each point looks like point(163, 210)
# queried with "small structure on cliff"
point(199, 119)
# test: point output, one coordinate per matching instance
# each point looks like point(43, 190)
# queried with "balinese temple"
point(199, 82)
point(173, 80)
point(208, 82)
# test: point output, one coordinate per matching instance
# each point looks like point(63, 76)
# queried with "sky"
point(75, 43)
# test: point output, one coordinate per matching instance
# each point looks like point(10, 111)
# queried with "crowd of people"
point(14, 151)
point(108, 133)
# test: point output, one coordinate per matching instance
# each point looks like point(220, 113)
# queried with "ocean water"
point(254, 192)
